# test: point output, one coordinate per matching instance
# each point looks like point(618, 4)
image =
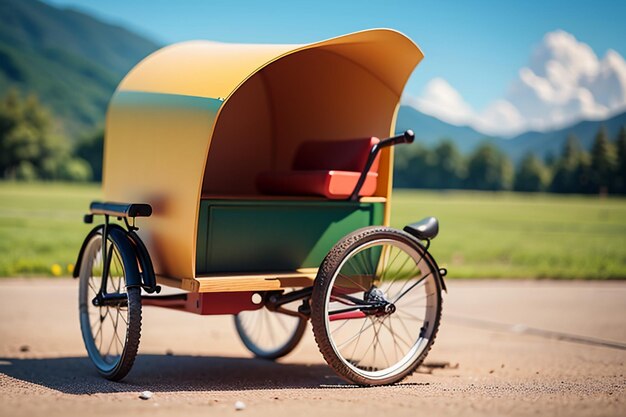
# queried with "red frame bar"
point(347, 316)
point(208, 303)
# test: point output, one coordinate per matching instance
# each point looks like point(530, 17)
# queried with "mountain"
point(430, 130)
point(72, 61)
point(543, 144)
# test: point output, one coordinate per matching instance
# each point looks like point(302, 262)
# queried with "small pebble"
point(169, 352)
point(519, 328)
point(240, 405)
point(24, 348)
point(145, 395)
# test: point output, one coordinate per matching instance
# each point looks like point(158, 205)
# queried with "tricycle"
point(251, 178)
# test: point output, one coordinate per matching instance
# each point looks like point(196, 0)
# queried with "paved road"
point(505, 348)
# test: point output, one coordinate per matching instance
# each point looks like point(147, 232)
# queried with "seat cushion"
point(339, 155)
point(331, 184)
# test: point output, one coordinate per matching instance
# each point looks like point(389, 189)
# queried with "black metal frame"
point(275, 300)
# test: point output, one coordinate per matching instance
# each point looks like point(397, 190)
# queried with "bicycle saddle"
point(424, 229)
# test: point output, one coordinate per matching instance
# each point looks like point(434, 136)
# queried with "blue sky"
point(476, 46)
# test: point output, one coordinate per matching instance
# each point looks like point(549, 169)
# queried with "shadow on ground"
point(76, 375)
point(162, 373)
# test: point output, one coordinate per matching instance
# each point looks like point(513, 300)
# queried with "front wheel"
point(376, 306)
point(111, 332)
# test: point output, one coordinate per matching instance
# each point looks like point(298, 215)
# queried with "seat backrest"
point(339, 155)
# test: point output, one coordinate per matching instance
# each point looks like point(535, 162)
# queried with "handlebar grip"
point(407, 137)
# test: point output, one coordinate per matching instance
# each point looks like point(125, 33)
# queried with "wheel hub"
point(381, 306)
point(390, 308)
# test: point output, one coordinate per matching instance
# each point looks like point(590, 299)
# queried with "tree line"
point(601, 170)
point(31, 150)
point(29, 147)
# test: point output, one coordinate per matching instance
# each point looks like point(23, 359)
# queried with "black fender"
point(145, 264)
point(440, 272)
point(127, 251)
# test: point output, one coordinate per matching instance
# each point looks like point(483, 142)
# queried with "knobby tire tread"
point(318, 300)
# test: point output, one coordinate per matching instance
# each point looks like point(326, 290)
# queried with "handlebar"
point(407, 137)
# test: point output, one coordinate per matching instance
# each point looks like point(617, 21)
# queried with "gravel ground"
point(505, 348)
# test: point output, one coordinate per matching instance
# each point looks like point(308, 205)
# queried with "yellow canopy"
point(203, 118)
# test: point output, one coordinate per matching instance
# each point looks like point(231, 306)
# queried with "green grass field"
point(41, 225)
point(482, 235)
point(515, 235)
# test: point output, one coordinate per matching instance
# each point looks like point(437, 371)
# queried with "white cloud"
point(441, 100)
point(563, 83)
point(499, 118)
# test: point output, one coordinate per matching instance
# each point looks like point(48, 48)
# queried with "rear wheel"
point(269, 335)
point(111, 332)
point(376, 306)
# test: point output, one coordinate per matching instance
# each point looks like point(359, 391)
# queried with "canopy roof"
point(203, 118)
point(216, 70)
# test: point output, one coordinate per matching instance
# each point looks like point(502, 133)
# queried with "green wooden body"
point(239, 236)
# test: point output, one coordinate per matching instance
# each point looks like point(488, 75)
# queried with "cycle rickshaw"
point(262, 191)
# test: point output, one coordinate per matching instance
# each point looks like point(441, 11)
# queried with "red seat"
point(325, 168)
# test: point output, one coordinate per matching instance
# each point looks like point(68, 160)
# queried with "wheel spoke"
point(108, 313)
point(124, 319)
point(340, 326)
point(387, 268)
point(118, 268)
point(341, 297)
point(409, 316)
point(411, 287)
point(394, 335)
point(395, 343)
point(359, 338)
point(270, 328)
point(409, 278)
point(100, 330)
point(354, 282)
point(95, 292)
point(406, 329)
point(355, 336)
point(258, 325)
point(382, 349)
point(369, 346)
point(116, 333)
point(282, 324)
